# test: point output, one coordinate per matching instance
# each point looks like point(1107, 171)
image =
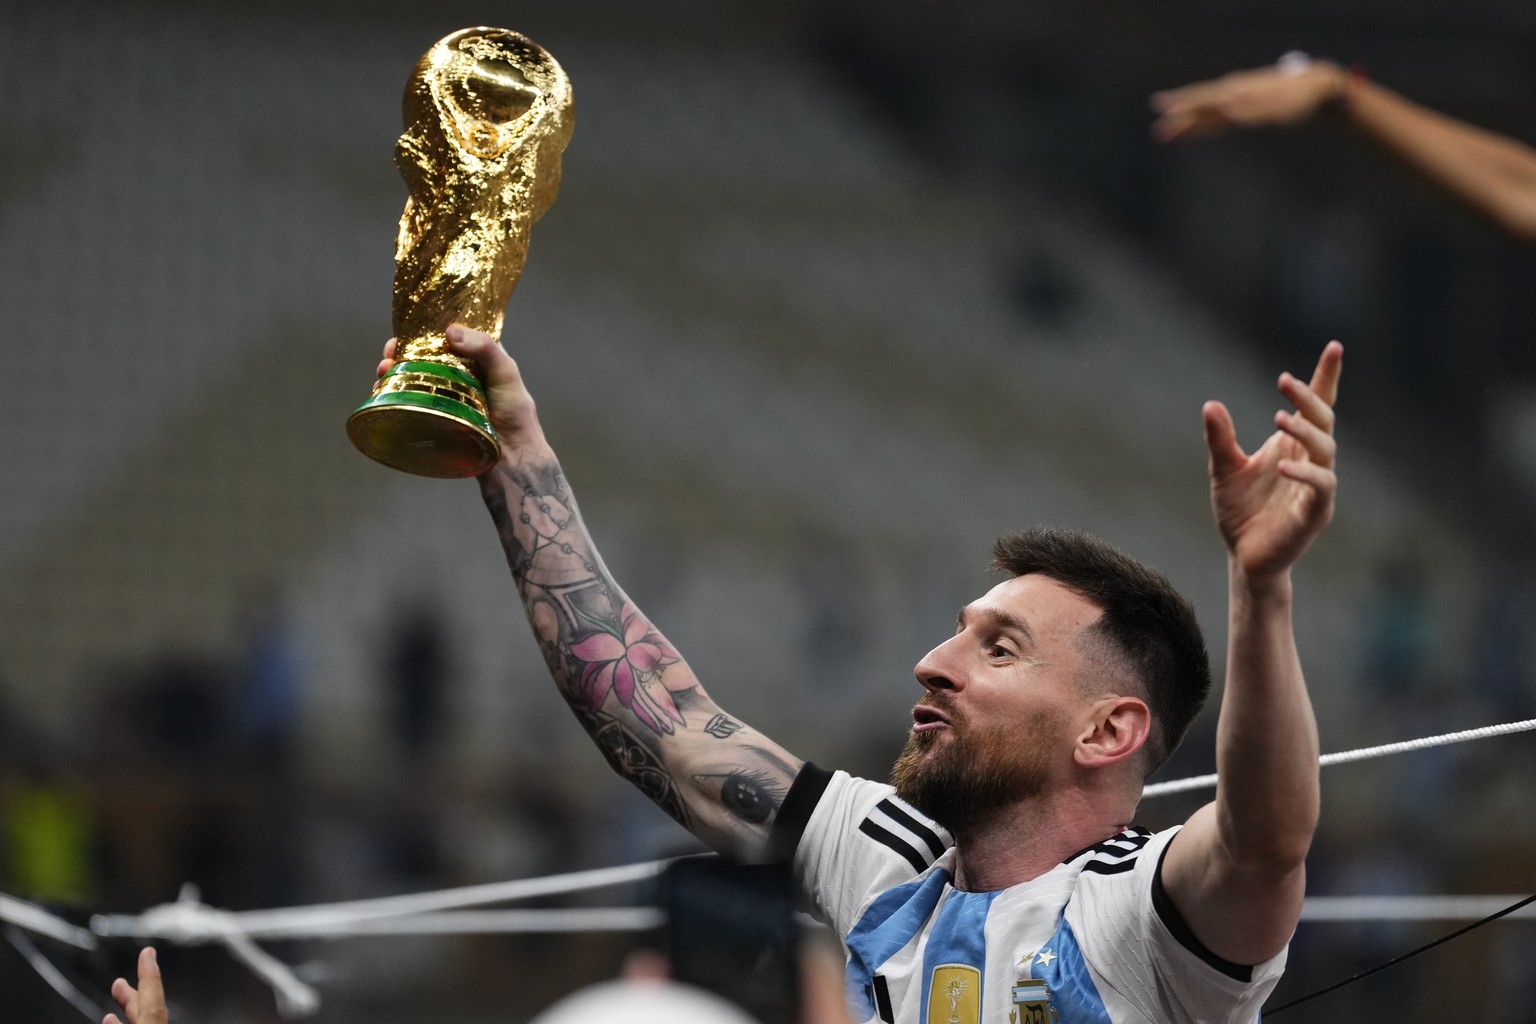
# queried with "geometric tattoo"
point(722, 727)
point(634, 761)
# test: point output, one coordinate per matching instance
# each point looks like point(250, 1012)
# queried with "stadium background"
point(833, 293)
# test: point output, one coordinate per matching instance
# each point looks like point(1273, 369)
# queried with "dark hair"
point(1147, 623)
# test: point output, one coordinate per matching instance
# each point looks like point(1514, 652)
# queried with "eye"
point(999, 651)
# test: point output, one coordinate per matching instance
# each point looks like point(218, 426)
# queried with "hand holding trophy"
point(487, 116)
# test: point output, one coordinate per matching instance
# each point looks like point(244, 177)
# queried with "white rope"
point(1410, 908)
point(488, 922)
point(193, 924)
point(1362, 754)
point(35, 919)
point(294, 998)
point(52, 975)
point(188, 921)
point(269, 922)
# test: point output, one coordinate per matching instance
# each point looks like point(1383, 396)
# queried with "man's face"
point(1003, 706)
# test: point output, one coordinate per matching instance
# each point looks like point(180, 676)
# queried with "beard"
point(967, 780)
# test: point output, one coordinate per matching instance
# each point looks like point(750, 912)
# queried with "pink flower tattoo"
point(629, 666)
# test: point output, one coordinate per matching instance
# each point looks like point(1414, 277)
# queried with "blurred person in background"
point(646, 993)
point(1000, 873)
point(1493, 175)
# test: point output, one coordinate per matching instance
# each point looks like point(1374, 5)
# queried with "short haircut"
point(1145, 622)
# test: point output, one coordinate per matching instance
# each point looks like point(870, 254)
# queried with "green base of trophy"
point(428, 419)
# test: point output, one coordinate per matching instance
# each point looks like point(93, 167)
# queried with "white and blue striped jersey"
point(1095, 940)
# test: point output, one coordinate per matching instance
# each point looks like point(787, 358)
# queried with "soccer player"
point(1000, 878)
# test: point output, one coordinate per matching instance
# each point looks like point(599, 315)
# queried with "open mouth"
point(927, 718)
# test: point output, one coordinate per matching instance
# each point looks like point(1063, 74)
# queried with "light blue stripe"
point(891, 922)
point(958, 937)
point(1073, 993)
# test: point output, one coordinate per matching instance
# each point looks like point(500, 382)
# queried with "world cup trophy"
point(487, 115)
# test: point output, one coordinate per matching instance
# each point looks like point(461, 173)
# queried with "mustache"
point(943, 703)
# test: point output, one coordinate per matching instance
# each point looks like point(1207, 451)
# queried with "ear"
point(1116, 729)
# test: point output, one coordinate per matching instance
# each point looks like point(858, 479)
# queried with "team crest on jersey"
point(1032, 1003)
point(954, 997)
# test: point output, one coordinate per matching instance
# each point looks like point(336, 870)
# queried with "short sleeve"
point(849, 839)
point(1134, 939)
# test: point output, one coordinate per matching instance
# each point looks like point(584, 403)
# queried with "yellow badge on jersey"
point(955, 995)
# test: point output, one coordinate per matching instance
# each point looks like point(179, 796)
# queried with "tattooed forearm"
point(752, 793)
point(595, 641)
point(636, 762)
point(750, 796)
point(628, 686)
point(535, 516)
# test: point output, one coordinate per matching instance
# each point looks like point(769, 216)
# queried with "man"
point(1493, 175)
point(1000, 880)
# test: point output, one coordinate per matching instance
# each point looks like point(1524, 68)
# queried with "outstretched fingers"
point(145, 1004)
point(151, 990)
point(1312, 422)
point(1319, 478)
point(127, 998)
point(1308, 402)
point(1325, 378)
point(1318, 442)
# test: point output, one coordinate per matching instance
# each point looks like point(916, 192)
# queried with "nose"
point(936, 669)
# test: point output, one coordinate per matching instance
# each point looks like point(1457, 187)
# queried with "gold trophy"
point(487, 115)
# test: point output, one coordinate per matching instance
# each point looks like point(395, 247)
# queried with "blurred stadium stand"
point(832, 295)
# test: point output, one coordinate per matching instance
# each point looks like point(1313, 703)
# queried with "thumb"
point(480, 348)
point(1221, 439)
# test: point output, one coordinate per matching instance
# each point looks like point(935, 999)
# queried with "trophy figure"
point(487, 115)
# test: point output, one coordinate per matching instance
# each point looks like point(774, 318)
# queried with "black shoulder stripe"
point(1100, 867)
point(889, 839)
point(1163, 904)
point(883, 999)
point(1120, 849)
point(795, 813)
point(1122, 844)
point(912, 825)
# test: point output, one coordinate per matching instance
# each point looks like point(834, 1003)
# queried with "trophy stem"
point(426, 418)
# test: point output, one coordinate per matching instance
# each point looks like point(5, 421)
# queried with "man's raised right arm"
point(630, 689)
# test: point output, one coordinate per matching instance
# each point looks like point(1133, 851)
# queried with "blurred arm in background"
point(1493, 175)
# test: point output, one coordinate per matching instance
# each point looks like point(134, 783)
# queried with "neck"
point(1031, 837)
